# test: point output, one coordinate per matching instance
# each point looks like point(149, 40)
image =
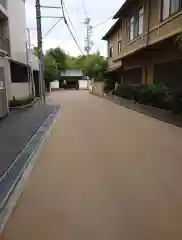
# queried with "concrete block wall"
point(19, 90)
point(98, 88)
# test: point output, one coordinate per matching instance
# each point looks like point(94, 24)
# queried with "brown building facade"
point(142, 44)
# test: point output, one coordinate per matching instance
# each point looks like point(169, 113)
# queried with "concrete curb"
point(17, 189)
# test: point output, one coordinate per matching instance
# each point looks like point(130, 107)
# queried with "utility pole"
point(29, 63)
point(40, 53)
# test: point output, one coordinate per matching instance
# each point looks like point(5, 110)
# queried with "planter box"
point(25, 106)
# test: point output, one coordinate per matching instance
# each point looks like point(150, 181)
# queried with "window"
point(141, 21)
point(132, 28)
point(136, 24)
point(165, 9)
point(169, 7)
point(175, 6)
point(119, 46)
point(111, 51)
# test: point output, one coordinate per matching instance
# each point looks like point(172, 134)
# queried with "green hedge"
point(154, 95)
point(21, 102)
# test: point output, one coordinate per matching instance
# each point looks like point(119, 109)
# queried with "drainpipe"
point(148, 22)
point(147, 41)
point(28, 67)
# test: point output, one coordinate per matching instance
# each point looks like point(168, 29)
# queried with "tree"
point(59, 57)
point(50, 69)
point(55, 61)
point(93, 65)
point(35, 51)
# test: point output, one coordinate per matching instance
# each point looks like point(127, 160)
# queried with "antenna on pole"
point(88, 43)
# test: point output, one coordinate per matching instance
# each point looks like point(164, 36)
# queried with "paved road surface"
point(105, 173)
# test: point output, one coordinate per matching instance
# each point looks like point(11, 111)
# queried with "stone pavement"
point(105, 173)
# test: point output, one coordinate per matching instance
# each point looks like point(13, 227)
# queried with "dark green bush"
point(126, 91)
point(154, 95)
point(149, 94)
point(161, 97)
point(108, 85)
point(146, 94)
point(176, 102)
point(21, 102)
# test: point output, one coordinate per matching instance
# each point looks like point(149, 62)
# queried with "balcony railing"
point(3, 3)
point(4, 45)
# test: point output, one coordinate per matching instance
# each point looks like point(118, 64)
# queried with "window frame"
point(170, 10)
point(141, 15)
point(136, 24)
point(119, 46)
point(111, 51)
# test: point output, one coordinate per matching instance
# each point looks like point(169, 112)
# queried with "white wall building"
point(13, 55)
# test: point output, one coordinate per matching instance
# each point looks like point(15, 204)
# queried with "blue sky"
point(97, 11)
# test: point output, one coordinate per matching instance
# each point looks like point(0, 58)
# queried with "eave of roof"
point(105, 37)
point(123, 9)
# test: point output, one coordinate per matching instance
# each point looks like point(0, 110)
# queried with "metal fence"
point(3, 3)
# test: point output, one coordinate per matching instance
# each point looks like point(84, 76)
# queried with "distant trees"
point(54, 63)
point(93, 65)
point(56, 60)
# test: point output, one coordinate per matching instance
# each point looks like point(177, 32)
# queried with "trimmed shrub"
point(108, 85)
point(176, 102)
point(149, 94)
point(154, 95)
point(125, 91)
point(21, 102)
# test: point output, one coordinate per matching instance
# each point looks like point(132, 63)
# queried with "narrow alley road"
point(105, 173)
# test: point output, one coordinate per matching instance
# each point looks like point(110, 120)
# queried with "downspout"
point(147, 37)
point(148, 22)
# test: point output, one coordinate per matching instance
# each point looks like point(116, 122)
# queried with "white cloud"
point(60, 35)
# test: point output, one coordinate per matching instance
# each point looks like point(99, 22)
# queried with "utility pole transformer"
point(40, 53)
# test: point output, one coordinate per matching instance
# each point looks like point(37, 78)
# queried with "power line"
point(71, 22)
point(103, 22)
point(52, 27)
point(74, 37)
point(62, 6)
point(69, 17)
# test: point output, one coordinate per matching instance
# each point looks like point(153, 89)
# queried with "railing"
point(4, 45)
point(3, 3)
